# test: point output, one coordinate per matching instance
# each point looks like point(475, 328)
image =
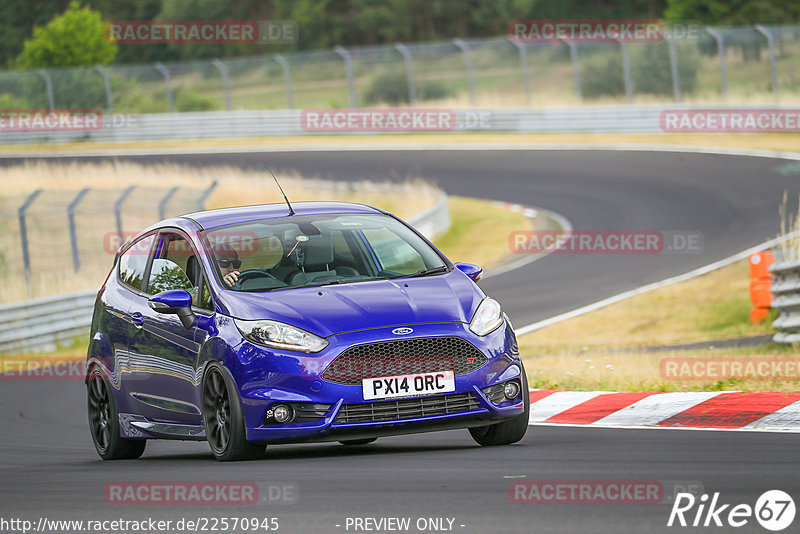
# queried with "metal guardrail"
point(40, 324)
point(786, 299)
point(242, 124)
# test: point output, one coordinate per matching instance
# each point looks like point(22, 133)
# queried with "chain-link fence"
point(52, 241)
point(752, 65)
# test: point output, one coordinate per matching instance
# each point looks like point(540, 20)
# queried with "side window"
point(177, 267)
point(202, 299)
point(393, 253)
point(174, 267)
point(133, 262)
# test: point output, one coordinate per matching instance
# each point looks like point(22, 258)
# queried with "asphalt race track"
point(49, 468)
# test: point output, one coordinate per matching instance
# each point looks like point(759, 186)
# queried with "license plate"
point(389, 387)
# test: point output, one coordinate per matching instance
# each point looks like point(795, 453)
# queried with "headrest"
point(318, 250)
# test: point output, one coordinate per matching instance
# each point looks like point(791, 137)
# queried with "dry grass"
point(50, 253)
point(601, 370)
point(479, 233)
point(237, 187)
point(712, 306)
point(584, 352)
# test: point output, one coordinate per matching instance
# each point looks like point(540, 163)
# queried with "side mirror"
point(470, 269)
point(177, 301)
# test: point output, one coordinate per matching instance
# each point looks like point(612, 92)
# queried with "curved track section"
point(49, 468)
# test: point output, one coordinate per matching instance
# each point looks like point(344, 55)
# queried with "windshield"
point(314, 250)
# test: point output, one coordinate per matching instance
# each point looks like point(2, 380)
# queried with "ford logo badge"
point(402, 331)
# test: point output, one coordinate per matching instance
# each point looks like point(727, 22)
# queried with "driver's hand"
point(231, 278)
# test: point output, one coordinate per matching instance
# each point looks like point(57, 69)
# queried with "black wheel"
point(364, 441)
point(223, 419)
point(507, 432)
point(104, 423)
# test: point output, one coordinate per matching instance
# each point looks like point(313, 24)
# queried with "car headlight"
point(280, 336)
point(488, 317)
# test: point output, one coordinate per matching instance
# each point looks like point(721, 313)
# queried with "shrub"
point(391, 87)
point(187, 100)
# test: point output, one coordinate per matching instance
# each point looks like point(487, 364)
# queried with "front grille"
point(407, 408)
point(403, 357)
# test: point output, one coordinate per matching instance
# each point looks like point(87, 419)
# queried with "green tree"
point(75, 38)
point(739, 12)
point(17, 20)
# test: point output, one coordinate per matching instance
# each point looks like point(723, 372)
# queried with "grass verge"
point(603, 349)
point(762, 141)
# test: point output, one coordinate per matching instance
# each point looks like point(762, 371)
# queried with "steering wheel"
point(250, 274)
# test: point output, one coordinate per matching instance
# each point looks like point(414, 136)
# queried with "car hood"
point(450, 297)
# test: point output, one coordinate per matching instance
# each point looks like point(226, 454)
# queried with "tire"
point(354, 442)
point(104, 422)
point(507, 432)
point(223, 419)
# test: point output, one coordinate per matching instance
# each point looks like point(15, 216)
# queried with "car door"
point(170, 392)
point(115, 323)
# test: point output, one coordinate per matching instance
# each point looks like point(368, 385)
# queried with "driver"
point(228, 262)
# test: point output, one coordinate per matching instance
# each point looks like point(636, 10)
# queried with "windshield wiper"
point(423, 272)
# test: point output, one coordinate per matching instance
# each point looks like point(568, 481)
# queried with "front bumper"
point(268, 378)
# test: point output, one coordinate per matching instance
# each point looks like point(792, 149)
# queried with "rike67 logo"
point(774, 510)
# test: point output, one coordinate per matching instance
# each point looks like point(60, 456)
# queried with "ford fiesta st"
point(324, 322)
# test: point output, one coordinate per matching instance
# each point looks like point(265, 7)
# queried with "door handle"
point(137, 319)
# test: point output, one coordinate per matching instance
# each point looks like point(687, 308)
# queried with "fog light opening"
point(280, 413)
point(511, 390)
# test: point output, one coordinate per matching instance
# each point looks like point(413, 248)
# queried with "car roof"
point(209, 219)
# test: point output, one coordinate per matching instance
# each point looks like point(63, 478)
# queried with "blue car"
point(323, 321)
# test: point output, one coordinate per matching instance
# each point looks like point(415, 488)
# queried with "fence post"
point(772, 63)
point(223, 71)
point(722, 67)
point(73, 234)
point(468, 63)
point(167, 84)
point(523, 67)
point(201, 202)
point(348, 68)
point(49, 86)
point(163, 204)
point(673, 66)
point(412, 86)
point(23, 231)
point(576, 73)
point(626, 70)
point(287, 78)
point(107, 81)
point(118, 209)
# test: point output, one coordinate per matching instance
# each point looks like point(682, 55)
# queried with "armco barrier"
point(242, 124)
point(39, 324)
point(786, 299)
